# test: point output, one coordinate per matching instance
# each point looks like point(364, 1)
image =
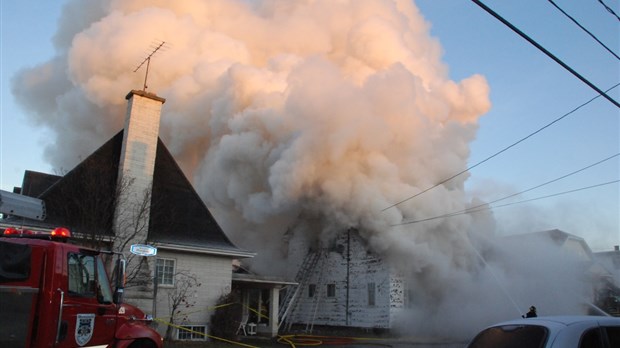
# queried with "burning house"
point(336, 108)
point(343, 284)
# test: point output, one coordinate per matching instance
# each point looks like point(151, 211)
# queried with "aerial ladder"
point(22, 206)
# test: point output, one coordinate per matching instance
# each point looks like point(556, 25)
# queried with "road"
point(367, 342)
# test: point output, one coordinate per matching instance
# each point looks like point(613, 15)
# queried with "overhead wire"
point(583, 28)
point(484, 207)
point(550, 196)
point(500, 151)
point(609, 9)
point(474, 208)
point(545, 51)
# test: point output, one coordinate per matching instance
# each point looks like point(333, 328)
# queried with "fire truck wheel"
point(143, 344)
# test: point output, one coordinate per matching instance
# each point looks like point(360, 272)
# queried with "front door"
point(88, 314)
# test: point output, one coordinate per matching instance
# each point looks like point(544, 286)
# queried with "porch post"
point(274, 304)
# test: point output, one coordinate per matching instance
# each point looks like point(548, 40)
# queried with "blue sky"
point(26, 28)
point(528, 91)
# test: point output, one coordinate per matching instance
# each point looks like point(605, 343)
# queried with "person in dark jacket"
point(531, 313)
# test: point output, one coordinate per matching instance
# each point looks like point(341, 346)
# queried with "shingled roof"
point(83, 200)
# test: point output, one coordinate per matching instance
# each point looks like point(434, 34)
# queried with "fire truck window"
point(82, 275)
point(104, 292)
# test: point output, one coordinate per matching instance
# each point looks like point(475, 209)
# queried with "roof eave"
point(205, 250)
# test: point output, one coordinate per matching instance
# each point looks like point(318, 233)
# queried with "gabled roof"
point(83, 200)
point(193, 223)
point(567, 241)
point(35, 183)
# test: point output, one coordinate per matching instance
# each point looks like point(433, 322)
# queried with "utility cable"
point(584, 29)
point(484, 207)
point(609, 9)
point(514, 194)
point(545, 51)
point(500, 151)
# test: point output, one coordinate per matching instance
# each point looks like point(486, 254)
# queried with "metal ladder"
point(291, 300)
point(317, 295)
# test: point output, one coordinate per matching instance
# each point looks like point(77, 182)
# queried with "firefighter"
point(531, 313)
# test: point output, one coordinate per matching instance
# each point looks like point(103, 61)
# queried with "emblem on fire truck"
point(84, 327)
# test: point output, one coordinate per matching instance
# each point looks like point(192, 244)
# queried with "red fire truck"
point(56, 294)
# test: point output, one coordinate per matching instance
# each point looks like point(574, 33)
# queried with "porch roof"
point(243, 279)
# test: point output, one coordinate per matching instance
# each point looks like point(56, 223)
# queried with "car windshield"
point(511, 336)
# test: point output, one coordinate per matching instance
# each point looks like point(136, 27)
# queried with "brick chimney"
point(137, 161)
point(140, 138)
point(136, 167)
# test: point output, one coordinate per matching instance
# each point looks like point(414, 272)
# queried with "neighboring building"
point(608, 296)
point(610, 260)
point(155, 205)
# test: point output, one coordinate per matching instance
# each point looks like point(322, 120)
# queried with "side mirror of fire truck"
point(119, 277)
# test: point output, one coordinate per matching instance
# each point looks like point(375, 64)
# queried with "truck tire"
point(143, 344)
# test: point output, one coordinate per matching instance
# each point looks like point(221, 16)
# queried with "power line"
point(545, 51)
point(609, 9)
point(584, 29)
point(464, 211)
point(484, 207)
point(500, 151)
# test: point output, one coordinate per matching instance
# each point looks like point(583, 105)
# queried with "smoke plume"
point(311, 115)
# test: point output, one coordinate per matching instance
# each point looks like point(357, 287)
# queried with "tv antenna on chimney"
point(155, 47)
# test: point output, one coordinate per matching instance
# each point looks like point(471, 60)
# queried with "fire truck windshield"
point(87, 277)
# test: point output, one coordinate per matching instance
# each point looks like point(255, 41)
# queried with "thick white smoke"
point(337, 108)
point(282, 113)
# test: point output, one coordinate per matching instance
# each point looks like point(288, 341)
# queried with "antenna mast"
point(147, 60)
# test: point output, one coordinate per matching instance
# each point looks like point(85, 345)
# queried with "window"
point(331, 290)
point(104, 292)
point(311, 290)
point(591, 339)
point(371, 294)
point(165, 271)
point(82, 275)
point(192, 332)
point(613, 335)
point(511, 336)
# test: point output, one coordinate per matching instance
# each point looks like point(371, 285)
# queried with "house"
point(608, 296)
point(131, 191)
point(610, 260)
point(343, 284)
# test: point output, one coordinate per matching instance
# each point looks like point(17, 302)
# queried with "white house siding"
point(398, 293)
point(349, 265)
point(214, 273)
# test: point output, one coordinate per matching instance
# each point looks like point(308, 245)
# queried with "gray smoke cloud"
point(312, 115)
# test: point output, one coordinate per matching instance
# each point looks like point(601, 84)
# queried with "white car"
point(551, 332)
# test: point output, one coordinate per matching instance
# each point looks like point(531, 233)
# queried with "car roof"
point(559, 332)
point(562, 320)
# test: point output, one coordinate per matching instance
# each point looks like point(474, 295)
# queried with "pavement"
point(364, 342)
point(319, 341)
